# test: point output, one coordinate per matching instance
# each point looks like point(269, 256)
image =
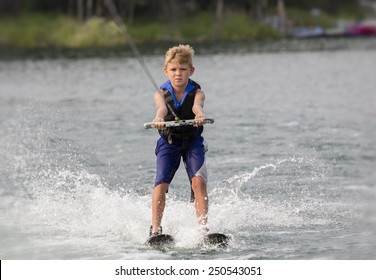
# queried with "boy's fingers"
point(157, 122)
point(200, 122)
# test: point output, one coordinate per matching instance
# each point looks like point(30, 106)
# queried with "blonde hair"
point(182, 53)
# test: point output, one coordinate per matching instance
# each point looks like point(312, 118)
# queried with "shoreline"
point(201, 48)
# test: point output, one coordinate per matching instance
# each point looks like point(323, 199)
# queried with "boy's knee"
point(198, 184)
point(161, 188)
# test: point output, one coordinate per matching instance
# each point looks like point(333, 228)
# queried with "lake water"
point(291, 160)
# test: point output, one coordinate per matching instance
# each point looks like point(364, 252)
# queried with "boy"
point(179, 98)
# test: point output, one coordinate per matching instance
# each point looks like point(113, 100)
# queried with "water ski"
point(160, 240)
point(216, 239)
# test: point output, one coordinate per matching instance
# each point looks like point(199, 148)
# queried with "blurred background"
point(88, 23)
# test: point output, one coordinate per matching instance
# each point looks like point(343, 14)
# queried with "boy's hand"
point(200, 122)
point(158, 120)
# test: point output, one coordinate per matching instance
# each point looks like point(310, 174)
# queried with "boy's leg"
point(194, 160)
point(201, 199)
point(168, 160)
point(158, 205)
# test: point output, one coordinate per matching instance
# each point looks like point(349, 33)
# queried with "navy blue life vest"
point(183, 110)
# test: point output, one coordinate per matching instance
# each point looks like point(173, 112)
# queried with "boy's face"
point(178, 74)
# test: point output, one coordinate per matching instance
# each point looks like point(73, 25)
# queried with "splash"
point(56, 192)
point(234, 186)
point(54, 189)
point(276, 196)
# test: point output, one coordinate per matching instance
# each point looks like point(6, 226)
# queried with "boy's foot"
point(151, 233)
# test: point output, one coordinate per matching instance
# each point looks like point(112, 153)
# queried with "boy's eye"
point(176, 69)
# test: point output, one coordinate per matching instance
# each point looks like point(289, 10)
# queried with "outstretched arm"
point(198, 106)
point(161, 108)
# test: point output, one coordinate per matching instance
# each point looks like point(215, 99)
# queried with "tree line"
point(165, 10)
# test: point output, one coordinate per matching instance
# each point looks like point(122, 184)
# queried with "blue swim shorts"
point(169, 155)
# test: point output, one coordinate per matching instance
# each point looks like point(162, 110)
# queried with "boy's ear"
point(192, 70)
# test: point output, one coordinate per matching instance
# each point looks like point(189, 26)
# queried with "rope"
point(120, 23)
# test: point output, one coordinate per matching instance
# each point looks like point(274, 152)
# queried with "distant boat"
point(361, 30)
point(306, 32)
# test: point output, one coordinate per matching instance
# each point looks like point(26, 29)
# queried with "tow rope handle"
point(178, 123)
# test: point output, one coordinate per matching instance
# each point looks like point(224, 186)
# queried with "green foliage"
point(306, 19)
point(41, 30)
point(95, 32)
point(237, 26)
point(147, 32)
point(26, 31)
point(200, 27)
point(30, 31)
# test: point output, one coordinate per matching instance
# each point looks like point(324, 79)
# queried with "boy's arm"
point(161, 108)
point(198, 106)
